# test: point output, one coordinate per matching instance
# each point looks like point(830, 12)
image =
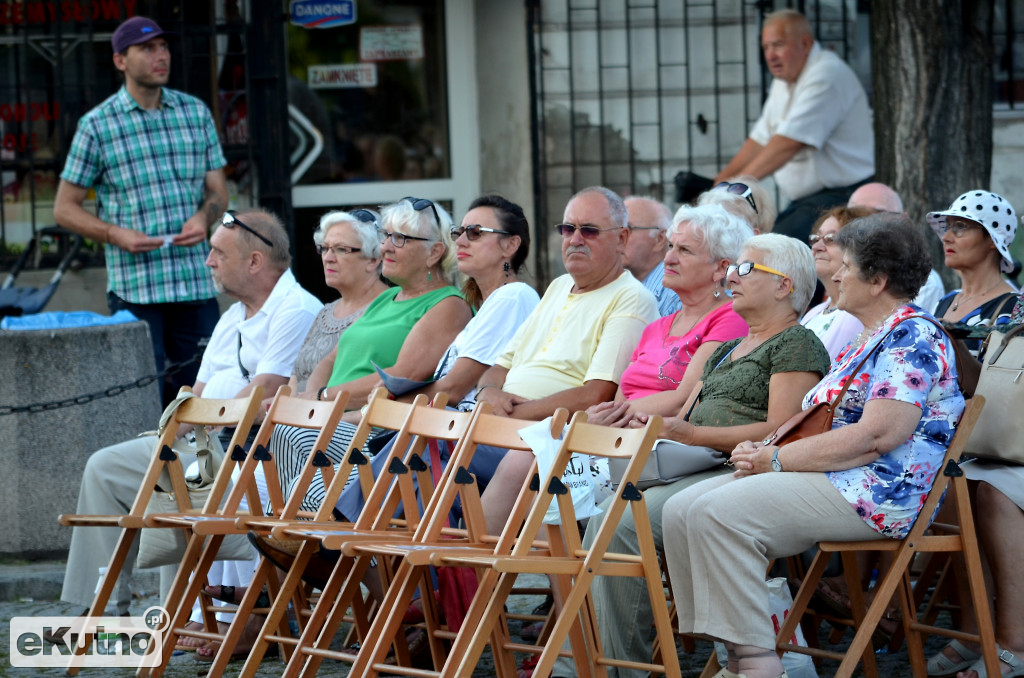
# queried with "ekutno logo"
point(112, 641)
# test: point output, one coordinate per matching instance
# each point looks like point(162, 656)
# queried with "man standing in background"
point(153, 156)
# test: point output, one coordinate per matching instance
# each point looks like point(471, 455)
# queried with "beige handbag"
point(999, 433)
point(166, 546)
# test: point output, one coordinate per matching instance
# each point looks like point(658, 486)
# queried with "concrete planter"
point(42, 454)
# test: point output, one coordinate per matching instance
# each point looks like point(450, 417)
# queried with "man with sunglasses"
point(649, 221)
point(255, 342)
point(152, 155)
point(574, 346)
point(814, 134)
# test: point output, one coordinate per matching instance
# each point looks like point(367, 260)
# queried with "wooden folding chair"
point(212, 413)
point(433, 532)
point(414, 423)
point(949, 482)
point(209, 531)
point(536, 548)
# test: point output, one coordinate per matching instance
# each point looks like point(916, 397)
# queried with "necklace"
point(668, 331)
point(867, 332)
point(960, 296)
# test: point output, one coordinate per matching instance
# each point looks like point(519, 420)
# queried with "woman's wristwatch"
point(320, 394)
point(776, 464)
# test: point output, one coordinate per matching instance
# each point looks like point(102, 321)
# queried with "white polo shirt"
point(827, 109)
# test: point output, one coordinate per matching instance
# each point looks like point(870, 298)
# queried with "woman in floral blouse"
point(865, 479)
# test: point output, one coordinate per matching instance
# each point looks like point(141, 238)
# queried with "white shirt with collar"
point(271, 339)
point(826, 109)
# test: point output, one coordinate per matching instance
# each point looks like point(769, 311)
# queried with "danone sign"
point(322, 13)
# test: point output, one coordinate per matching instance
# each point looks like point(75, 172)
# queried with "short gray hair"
point(722, 232)
point(793, 258)
point(422, 223)
point(616, 207)
point(369, 241)
point(663, 213)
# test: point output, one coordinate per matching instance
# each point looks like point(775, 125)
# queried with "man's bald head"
point(876, 196)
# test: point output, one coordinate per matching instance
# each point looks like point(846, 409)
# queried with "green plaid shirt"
point(149, 171)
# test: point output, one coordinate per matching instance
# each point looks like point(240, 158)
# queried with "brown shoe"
point(282, 553)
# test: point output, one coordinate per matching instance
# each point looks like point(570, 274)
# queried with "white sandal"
point(1005, 657)
point(940, 665)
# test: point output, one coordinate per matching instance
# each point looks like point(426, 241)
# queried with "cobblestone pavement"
point(184, 665)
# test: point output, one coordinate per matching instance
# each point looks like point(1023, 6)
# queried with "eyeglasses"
point(747, 266)
point(742, 190)
point(337, 249)
point(958, 227)
point(420, 204)
point(229, 220)
point(365, 216)
point(828, 239)
point(631, 227)
point(474, 231)
point(398, 239)
point(587, 231)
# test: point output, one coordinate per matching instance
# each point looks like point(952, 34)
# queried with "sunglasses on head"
point(474, 231)
point(742, 190)
point(420, 204)
point(587, 231)
point(229, 220)
point(365, 216)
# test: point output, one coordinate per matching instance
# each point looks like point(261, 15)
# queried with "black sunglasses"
point(229, 220)
point(474, 231)
point(742, 190)
point(365, 216)
point(587, 231)
point(420, 204)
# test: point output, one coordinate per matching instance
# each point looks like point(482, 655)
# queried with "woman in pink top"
point(672, 351)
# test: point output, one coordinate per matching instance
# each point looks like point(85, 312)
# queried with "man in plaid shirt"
point(153, 157)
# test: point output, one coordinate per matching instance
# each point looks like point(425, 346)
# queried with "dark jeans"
point(798, 218)
point(176, 330)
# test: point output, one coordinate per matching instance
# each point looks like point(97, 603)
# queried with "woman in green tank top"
point(410, 326)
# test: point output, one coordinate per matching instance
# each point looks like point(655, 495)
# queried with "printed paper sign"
point(390, 43)
point(340, 76)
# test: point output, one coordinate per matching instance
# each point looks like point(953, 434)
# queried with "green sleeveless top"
point(378, 335)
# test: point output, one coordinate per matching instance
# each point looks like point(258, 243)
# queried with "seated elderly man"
point(249, 260)
point(649, 221)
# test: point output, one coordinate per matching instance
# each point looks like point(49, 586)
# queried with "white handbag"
point(999, 433)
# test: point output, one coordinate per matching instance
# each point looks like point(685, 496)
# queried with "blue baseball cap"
point(135, 31)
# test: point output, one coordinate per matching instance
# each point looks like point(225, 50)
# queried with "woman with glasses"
point(406, 328)
point(864, 479)
point(350, 252)
point(834, 327)
point(747, 388)
point(976, 233)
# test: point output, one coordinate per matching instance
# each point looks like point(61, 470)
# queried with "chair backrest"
point(213, 413)
point(486, 429)
point(633, 444)
point(395, 486)
point(289, 411)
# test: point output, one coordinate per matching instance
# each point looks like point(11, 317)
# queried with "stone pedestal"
point(42, 454)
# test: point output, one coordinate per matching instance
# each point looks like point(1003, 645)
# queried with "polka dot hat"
point(989, 210)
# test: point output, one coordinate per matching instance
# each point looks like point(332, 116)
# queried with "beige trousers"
point(721, 534)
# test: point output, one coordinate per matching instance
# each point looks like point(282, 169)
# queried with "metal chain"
point(141, 382)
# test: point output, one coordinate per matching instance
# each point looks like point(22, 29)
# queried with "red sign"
point(17, 13)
